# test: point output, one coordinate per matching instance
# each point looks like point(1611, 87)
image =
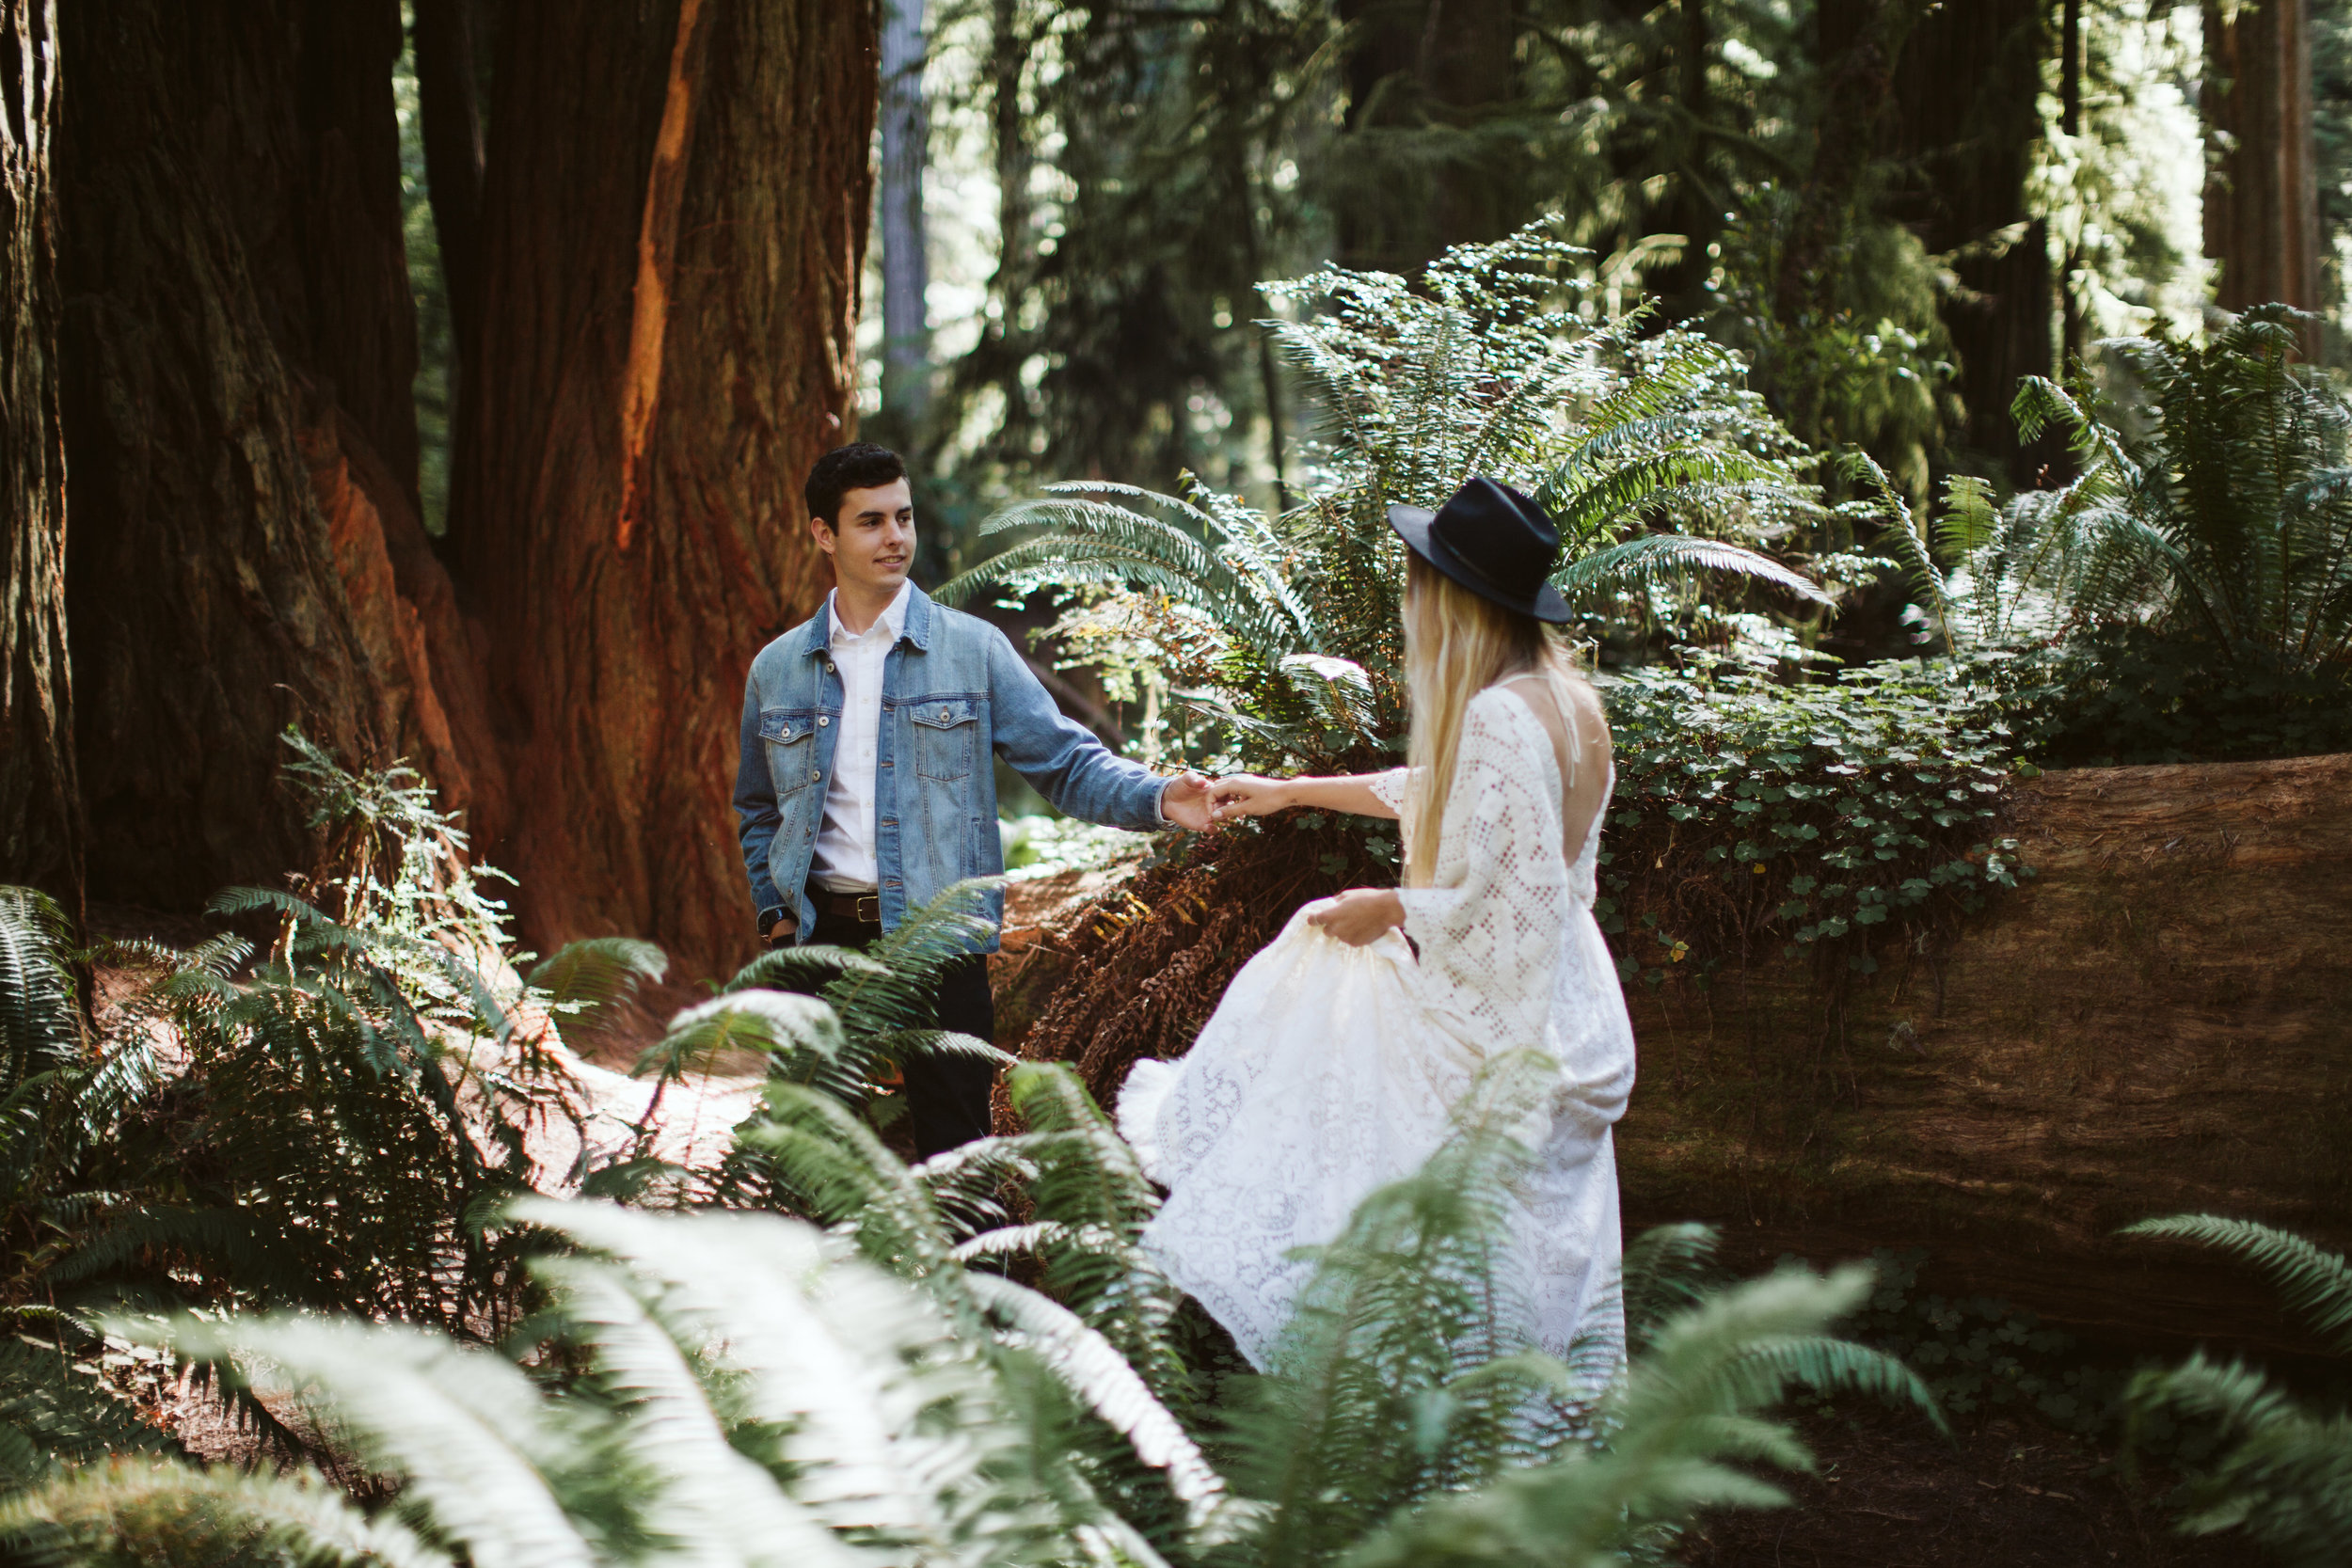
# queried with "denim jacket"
point(954, 695)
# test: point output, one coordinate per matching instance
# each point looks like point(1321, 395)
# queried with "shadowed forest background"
point(440, 377)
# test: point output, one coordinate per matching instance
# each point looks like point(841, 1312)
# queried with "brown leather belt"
point(864, 907)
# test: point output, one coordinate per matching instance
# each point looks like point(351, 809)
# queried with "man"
point(866, 784)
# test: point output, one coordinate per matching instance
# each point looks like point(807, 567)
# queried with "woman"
point(1331, 1064)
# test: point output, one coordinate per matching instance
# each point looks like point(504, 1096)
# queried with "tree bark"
point(241, 441)
point(906, 269)
point(40, 812)
point(1425, 67)
point(1962, 133)
point(2154, 1025)
point(1860, 44)
point(618, 665)
point(2262, 200)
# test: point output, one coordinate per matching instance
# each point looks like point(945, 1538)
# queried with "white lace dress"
point(1329, 1070)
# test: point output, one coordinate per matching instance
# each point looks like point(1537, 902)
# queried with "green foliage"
point(752, 1393)
point(2285, 1472)
point(2230, 520)
point(1980, 1354)
point(1750, 812)
point(2188, 594)
point(2113, 696)
point(1859, 357)
point(747, 1388)
point(1282, 632)
point(320, 1128)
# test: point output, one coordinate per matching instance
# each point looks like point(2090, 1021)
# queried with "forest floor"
point(2004, 1491)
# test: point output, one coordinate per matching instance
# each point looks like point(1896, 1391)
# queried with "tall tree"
point(1861, 42)
point(40, 810)
point(1430, 159)
point(674, 220)
point(2261, 203)
point(1962, 133)
point(241, 442)
point(906, 269)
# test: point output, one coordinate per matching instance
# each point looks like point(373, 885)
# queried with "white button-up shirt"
point(844, 858)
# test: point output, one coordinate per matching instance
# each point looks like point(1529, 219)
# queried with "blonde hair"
point(1456, 644)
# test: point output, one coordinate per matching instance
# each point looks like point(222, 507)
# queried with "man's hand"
point(782, 932)
point(1185, 802)
point(1248, 795)
point(1362, 915)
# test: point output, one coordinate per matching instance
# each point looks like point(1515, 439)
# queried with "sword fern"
point(1660, 468)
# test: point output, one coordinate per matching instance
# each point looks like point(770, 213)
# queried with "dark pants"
point(946, 1096)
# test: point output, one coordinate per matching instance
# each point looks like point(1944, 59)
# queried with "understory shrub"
point(750, 1388)
point(2191, 586)
point(2281, 1474)
point(1756, 820)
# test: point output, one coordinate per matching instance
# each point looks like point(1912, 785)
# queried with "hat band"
point(1485, 578)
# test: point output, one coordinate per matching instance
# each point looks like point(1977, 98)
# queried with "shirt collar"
point(893, 619)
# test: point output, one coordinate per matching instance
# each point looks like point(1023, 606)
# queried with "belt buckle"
point(869, 902)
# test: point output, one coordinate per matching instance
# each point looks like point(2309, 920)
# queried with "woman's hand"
point(1362, 915)
point(1248, 795)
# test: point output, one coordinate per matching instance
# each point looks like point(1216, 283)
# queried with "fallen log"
point(2160, 1021)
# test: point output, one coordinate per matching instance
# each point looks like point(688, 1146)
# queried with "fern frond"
point(463, 1429)
point(598, 973)
point(1093, 1369)
point(138, 1510)
point(1650, 558)
point(712, 1496)
point(2315, 1283)
point(1664, 1272)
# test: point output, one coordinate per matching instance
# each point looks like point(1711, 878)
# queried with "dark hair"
point(859, 466)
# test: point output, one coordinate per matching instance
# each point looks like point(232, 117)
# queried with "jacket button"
point(942, 716)
point(815, 773)
point(822, 720)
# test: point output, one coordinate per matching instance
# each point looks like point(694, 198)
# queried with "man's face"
point(872, 540)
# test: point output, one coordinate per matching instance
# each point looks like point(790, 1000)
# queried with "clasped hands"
point(1360, 916)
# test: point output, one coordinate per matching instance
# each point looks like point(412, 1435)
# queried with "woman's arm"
point(1248, 795)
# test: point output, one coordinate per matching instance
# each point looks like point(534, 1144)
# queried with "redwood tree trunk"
point(2262, 202)
point(1413, 64)
point(1965, 124)
point(41, 823)
point(673, 222)
point(238, 349)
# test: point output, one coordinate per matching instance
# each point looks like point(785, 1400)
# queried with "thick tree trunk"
point(40, 811)
point(1963, 127)
point(2262, 202)
point(1861, 42)
point(673, 232)
point(239, 344)
point(2153, 1024)
point(1425, 67)
point(906, 268)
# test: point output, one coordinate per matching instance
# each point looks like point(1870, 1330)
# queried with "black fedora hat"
point(1494, 542)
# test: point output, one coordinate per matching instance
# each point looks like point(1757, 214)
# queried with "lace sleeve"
point(1491, 931)
point(1388, 787)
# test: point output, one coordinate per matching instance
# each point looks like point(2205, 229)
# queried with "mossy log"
point(2159, 1020)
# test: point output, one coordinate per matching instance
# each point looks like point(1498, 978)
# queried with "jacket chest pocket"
point(791, 760)
point(947, 730)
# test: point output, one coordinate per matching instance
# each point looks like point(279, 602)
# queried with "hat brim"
point(1412, 525)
